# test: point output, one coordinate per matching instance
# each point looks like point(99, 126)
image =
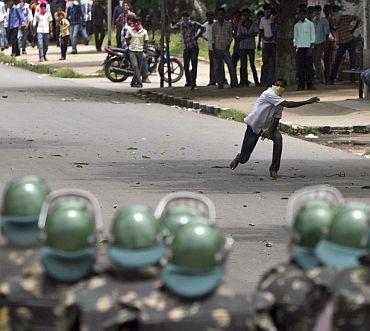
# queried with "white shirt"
point(42, 22)
point(2, 11)
point(266, 108)
point(86, 6)
point(304, 34)
point(137, 39)
point(208, 34)
point(265, 25)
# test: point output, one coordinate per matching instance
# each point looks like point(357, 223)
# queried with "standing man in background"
point(304, 40)
point(222, 36)
point(118, 10)
point(208, 35)
point(345, 27)
point(191, 31)
point(2, 29)
point(121, 21)
point(75, 17)
point(25, 25)
point(87, 24)
point(268, 30)
point(322, 31)
point(44, 23)
point(247, 33)
point(138, 38)
point(235, 21)
point(16, 19)
point(99, 19)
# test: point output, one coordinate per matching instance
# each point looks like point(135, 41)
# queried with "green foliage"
point(233, 114)
point(67, 73)
point(39, 68)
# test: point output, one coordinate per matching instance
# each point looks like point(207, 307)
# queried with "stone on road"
point(128, 152)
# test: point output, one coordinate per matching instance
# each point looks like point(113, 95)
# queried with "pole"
point(366, 55)
point(168, 55)
point(109, 22)
point(163, 30)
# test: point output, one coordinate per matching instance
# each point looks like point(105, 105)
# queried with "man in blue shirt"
point(75, 17)
point(322, 30)
point(304, 39)
point(16, 19)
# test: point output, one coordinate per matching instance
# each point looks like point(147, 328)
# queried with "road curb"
point(215, 110)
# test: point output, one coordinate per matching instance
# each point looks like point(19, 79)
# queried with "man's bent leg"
point(278, 148)
point(249, 143)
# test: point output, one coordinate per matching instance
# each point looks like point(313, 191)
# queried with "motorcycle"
point(117, 66)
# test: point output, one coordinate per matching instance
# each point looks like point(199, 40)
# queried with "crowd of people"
point(322, 36)
point(34, 22)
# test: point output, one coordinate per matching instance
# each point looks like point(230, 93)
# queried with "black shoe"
point(74, 52)
point(220, 87)
point(24, 52)
point(211, 84)
point(87, 42)
point(187, 85)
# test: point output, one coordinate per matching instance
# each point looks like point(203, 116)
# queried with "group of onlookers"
point(35, 22)
point(321, 42)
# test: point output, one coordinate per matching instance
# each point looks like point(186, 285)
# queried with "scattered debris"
point(251, 224)
point(56, 155)
point(219, 167)
point(256, 192)
point(182, 148)
point(340, 174)
point(145, 156)
point(237, 98)
point(245, 206)
point(366, 187)
point(137, 183)
point(132, 148)
point(115, 206)
point(284, 198)
point(311, 136)
point(4, 96)
point(143, 138)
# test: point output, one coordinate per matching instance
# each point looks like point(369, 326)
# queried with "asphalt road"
point(50, 126)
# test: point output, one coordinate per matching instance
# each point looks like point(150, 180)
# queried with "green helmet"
point(69, 234)
point(309, 212)
point(134, 238)
point(172, 220)
point(195, 257)
point(21, 205)
point(311, 224)
point(348, 237)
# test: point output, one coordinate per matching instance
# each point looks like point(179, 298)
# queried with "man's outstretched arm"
point(296, 104)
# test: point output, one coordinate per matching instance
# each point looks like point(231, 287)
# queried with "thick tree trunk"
point(285, 54)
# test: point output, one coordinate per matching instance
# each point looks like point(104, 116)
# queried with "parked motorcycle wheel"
point(114, 77)
point(177, 70)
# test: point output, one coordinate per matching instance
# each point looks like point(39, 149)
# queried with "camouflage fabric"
point(119, 301)
point(295, 304)
point(350, 291)
point(15, 260)
point(32, 301)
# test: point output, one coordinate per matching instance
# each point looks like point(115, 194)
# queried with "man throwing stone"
point(264, 121)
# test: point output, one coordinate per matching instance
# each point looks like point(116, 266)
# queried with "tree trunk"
point(200, 9)
point(285, 53)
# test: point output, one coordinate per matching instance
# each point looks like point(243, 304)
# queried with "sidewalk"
point(340, 106)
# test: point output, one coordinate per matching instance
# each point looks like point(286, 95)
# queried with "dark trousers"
point(250, 142)
point(235, 58)
point(222, 57)
point(13, 39)
point(343, 48)
point(136, 59)
point(191, 55)
point(328, 59)
point(64, 46)
point(99, 33)
point(268, 63)
point(212, 75)
point(118, 36)
point(244, 55)
point(304, 62)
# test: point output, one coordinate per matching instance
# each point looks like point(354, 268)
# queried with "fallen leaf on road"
point(182, 148)
point(80, 164)
point(237, 98)
point(284, 198)
point(219, 167)
point(251, 224)
point(56, 155)
point(145, 157)
point(116, 102)
point(4, 96)
point(245, 206)
point(256, 192)
point(366, 187)
point(115, 206)
point(132, 149)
